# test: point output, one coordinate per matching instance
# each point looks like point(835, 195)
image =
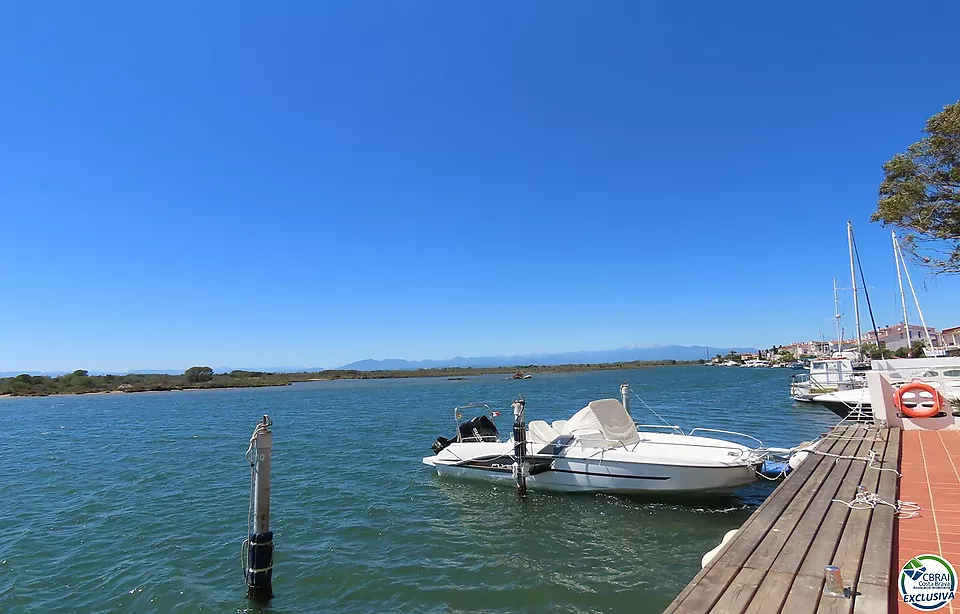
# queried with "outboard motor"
point(440, 444)
point(480, 428)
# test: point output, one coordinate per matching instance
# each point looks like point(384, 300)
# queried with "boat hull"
point(864, 411)
point(598, 476)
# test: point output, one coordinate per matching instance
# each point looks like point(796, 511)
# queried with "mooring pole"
point(258, 569)
point(520, 466)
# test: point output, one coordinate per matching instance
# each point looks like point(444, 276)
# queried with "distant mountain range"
point(624, 354)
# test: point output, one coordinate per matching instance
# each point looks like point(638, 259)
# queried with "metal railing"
point(476, 435)
point(672, 427)
point(735, 433)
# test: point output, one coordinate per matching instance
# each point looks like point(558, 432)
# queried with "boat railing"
point(672, 427)
point(722, 432)
point(737, 452)
point(458, 413)
point(471, 406)
point(803, 383)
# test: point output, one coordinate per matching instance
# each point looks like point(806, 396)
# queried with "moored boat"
point(600, 449)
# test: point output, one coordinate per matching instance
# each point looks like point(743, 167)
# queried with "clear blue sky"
point(307, 184)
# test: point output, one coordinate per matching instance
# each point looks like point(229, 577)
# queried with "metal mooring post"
point(258, 566)
point(520, 466)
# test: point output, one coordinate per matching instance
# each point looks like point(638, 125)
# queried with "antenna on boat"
point(903, 295)
point(836, 310)
point(521, 469)
point(625, 395)
point(866, 294)
point(899, 255)
point(853, 276)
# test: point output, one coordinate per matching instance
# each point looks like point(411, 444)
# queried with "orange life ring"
point(916, 407)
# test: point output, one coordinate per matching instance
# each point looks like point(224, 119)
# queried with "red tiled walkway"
point(928, 463)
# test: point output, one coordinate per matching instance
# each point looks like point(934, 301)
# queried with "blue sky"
point(238, 184)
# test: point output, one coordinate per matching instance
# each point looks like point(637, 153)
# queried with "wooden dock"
point(776, 561)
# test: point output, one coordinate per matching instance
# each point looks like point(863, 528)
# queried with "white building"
point(950, 337)
point(895, 337)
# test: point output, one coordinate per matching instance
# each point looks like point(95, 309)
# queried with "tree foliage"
point(199, 374)
point(920, 193)
point(79, 382)
point(73, 383)
point(786, 356)
point(870, 350)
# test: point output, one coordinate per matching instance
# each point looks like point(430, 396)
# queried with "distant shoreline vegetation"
point(203, 378)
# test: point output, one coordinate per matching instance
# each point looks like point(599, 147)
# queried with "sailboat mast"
point(836, 310)
point(903, 295)
point(923, 323)
point(853, 276)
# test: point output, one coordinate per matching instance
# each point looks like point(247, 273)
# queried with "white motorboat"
point(826, 375)
point(599, 449)
point(852, 403)
point(940, 373)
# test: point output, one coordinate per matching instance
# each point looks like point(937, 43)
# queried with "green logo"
point(927, 582)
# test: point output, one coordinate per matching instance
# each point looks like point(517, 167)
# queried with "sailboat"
point(931, 349)
point(844, 402)
point(843, 371)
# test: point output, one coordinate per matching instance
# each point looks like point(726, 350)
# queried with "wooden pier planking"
point(782, 552)
point(873, 583)
point(711, 582)
point(775, 562)
point(853, 537)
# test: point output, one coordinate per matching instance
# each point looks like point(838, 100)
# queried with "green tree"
point(902, 352)
point(920, 193)
point(199, 374)
point(916, 349)
point(870, 350)
point(787, 356)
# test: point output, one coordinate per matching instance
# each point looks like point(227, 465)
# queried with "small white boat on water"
point(826, 375)
point(599, 449)
point(519, 375)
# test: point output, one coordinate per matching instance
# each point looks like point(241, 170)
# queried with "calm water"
point(138, 503)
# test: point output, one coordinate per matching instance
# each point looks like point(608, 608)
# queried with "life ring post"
point(910, 401)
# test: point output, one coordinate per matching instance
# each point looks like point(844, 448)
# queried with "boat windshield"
point(609, 418)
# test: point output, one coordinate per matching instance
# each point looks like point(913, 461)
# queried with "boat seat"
point(541, 432)
point(560, 426)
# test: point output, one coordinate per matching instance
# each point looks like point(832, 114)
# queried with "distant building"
point(950, 338)
point(808, 348)
point(896, 337)
point(891, 337)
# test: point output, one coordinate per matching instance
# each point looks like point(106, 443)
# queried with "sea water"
point(139, 502)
